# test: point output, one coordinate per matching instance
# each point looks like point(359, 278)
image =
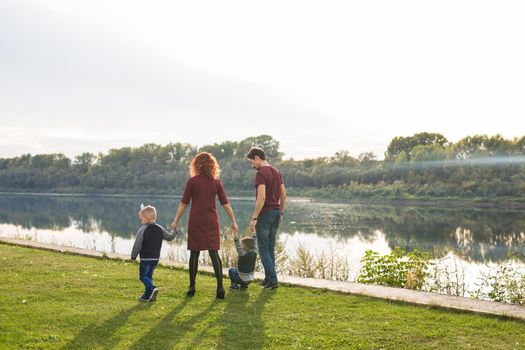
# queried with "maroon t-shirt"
point(203, 223)
point(272, 179)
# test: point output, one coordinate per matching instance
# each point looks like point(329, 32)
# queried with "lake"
point(471, 239)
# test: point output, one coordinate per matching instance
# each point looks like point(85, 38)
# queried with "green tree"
point(266, 142)
point(406, 144)
point(84, 162)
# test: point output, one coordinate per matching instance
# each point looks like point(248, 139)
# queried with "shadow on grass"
point(246, 318)
point(167, 333)
point(241, 323)
point(97, 334)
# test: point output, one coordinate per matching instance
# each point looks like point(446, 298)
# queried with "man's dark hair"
point(256, 151)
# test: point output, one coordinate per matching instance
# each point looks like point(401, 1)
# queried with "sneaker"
point(234, 286)
point(264, 282)
point(143, 297)
point(271, 285)
point(153, 295)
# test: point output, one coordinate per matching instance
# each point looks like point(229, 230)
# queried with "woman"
point(203, 225)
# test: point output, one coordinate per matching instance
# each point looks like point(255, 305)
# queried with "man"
point(269, 210)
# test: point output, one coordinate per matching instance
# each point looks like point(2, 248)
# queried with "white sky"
point(318, 76)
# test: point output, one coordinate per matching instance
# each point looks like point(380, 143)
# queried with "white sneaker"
point(154, 293)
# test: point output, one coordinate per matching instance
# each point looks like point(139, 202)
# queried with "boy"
point(148, 244)
point(242, 276)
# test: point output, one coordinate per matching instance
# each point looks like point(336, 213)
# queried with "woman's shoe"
point(220, 293)
point(190, 292)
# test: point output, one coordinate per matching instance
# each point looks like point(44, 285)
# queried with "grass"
point(52, 300)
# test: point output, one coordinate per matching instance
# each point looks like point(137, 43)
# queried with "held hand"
point(252, 225)
point(235, 229)
point(174, 225)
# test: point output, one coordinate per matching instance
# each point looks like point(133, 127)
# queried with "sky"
point(319, 76)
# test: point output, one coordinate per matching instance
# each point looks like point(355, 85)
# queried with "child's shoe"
point(153, 295)
point(143, 297)
point(234, 286)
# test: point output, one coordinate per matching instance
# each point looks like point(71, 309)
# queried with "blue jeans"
point(235, 278)
point(266, 230)
point(146, 275)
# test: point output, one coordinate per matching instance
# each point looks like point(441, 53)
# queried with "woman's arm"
point(180, 212)
point(229, 211)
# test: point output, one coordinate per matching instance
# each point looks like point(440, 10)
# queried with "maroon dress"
point(203, 224)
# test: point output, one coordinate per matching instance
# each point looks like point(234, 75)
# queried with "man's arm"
point(259, 204)
point(283, 199)
point(138, 243)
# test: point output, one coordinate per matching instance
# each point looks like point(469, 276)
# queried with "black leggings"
point(194, 266)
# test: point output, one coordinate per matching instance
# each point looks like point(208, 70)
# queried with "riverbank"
point(54, 300)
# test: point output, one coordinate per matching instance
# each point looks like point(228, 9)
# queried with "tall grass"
point(446, 276)
point(506, 283)
point(327, 265)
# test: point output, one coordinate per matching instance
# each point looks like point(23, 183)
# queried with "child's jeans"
point(146, 275)
point(235, 278)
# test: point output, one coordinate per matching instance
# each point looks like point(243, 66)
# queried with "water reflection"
point(475, 235)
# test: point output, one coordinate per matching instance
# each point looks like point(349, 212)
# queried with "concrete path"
point(388, 293)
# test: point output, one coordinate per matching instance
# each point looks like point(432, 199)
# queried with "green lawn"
point(53, 300)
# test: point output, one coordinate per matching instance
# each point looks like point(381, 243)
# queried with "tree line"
point(421, 166)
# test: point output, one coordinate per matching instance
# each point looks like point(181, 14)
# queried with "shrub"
point(397, 269)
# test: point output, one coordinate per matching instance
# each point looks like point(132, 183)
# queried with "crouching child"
point(244, 274)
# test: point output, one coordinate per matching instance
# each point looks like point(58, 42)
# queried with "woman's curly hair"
point(205, 164)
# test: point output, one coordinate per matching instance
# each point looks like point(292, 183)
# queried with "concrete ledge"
point(375, 291)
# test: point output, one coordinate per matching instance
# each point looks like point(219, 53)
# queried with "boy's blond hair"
point(248, 243)
point(149, 212)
